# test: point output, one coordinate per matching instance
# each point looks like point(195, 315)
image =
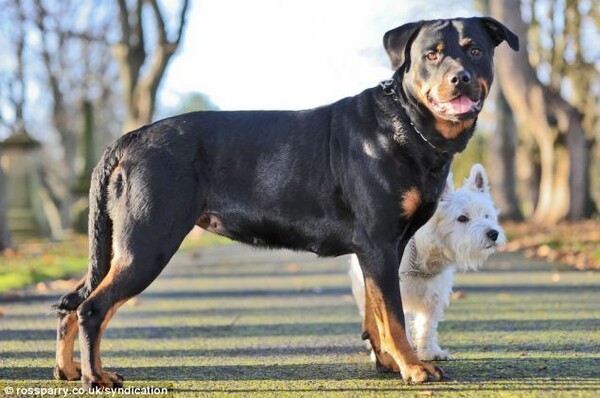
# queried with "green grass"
point(597, 255)
point(203, 239)
point(40, 261)
point(235, 321)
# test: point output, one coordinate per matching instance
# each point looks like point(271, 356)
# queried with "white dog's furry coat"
point(461, 235)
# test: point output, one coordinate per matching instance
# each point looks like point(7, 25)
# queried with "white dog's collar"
point(414, 270)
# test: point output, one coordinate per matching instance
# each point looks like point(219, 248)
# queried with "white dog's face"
point(467, 221)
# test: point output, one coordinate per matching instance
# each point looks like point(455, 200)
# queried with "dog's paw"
point(434, 355)
point(106, 380)
point(421, 373)
point(70, 373)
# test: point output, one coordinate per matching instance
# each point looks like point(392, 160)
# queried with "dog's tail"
point(100, 233)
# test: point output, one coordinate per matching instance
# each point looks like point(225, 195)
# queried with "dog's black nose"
point(459, 77)
point(492, 234)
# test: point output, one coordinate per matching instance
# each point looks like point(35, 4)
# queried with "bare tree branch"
point(140, 90)
point(160, 23)
point(124, 21)
point(182, 16)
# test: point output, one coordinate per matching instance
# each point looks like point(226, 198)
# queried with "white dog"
point(461, 235)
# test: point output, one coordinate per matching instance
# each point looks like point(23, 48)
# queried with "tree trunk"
point(552, 121)
point(61, 118)
point(502, 153)
point(139, 90)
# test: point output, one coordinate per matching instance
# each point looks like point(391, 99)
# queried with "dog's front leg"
point(384, 319)
point(426, 324)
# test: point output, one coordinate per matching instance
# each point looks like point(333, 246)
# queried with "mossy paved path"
point(230, 318)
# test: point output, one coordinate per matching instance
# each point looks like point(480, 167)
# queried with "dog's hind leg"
point(128, 276)
point(100, 254)
point(94, 314)
point(66, 368)
point(66, 332)
point(150, 220)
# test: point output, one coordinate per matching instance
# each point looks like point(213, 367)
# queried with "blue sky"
point(277, 54)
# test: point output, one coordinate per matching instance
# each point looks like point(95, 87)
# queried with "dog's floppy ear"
point(397, 42)
point(477, 180)
point(448, 189)
point(499, 33)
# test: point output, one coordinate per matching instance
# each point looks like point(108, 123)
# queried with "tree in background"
point(14, 87)
point(141, 75)
point(502, 156)
point(555, 125)
point(75, 52)
point(195, 102)
point(75, 55)
point(6, 245)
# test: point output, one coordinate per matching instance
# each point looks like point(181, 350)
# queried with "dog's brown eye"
point(476, 52)
point(432, 56)
point(462, 218)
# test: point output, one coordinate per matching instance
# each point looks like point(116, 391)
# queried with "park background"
point(77, 74)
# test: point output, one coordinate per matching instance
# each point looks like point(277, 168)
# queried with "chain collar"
point(414, 270)
point(389, 90)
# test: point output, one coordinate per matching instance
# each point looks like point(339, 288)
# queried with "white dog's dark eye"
point(487, 216)
point(462, 218)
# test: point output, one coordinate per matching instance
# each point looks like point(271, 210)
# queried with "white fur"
point(443, 245)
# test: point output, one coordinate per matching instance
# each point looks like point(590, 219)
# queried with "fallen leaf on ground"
point(42, 287)
point(293, 268)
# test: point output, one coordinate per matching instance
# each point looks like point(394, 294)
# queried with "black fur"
point(330, 180)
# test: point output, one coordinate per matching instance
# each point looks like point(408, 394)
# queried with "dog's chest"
point(430, 189)
point(434, 183)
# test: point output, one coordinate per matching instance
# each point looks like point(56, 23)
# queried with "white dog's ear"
point(448, 189)
point(478, 179)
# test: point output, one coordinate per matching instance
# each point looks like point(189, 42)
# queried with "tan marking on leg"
point(97, 359)
point(92, 367)
point(388, 327)
point(372, 330)
point(67, 368)
point(411, 200)
point(392, 339)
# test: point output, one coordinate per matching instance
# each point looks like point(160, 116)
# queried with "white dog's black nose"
point(492, 234)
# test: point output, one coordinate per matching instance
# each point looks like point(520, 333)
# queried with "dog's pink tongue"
point(461, 104)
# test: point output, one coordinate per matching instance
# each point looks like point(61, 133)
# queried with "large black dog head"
point(446, 65)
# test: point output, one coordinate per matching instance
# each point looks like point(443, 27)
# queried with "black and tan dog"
point(358, 176)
